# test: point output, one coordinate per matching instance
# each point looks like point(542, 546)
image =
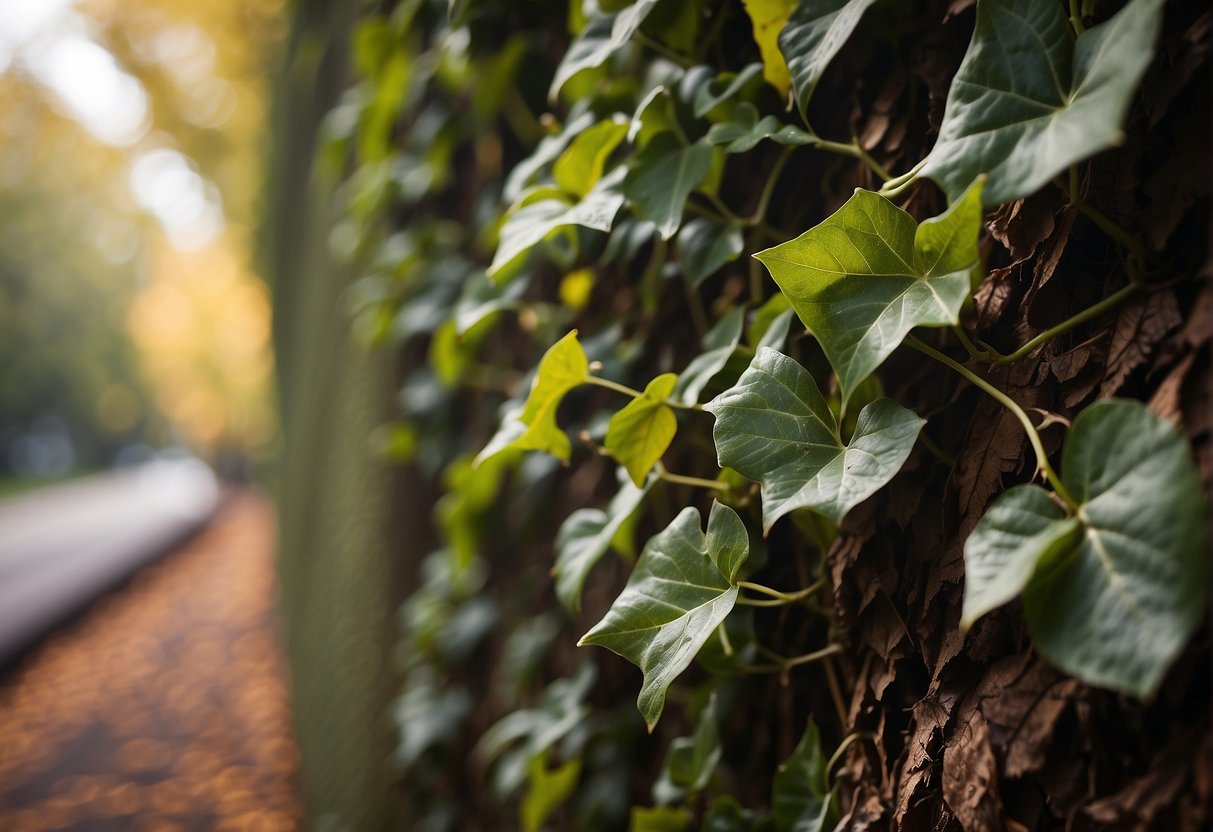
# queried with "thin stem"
point(725, 643)
point(846, 743)
point(936, 451)
point(855, 151)
point(780, 599)
point(663, 50)
point(1076, 18)
point(1087, 314)
point(1042, 458)
point(696, 482)
point(727, 212)
point(835, 690)
point(764, 199)
point(756, 286)
point(599, 381)
point(899, 183)
point(699, 317)
point(815, 656)
point(963, 337)
point(1105, 223)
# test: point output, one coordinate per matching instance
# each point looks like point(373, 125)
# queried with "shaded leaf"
point(1029, 100)
point(660, 819)
point(800, 795)
point(482, 297)
point(548, 789)
point(718, 345)
point(586, 536)
point(862, 279)
point(1117, 605)
point(542, 210)
point(723, 87)
point(814, 33)
point(639, 434)
point(775, 427)
point(661, 177)
point(600, 39)
point(683, 586)
point(546, 152)
point(745, 130)
point(704, 245)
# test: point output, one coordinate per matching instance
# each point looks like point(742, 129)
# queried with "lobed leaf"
point(718, 346)
point(775, 427)
point(683, 587)
point(1116, 590)
point(801, 800)
point(639, 434)
point(601, 38)
point(814, 33)
point(662, 176)
point(862, 279)
point(1029, 100)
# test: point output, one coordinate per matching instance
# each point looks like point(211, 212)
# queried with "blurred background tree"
point(130, 315)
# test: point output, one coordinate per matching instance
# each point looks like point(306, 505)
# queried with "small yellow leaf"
point(768, 17)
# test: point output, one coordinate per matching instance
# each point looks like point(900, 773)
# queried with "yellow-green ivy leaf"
point(546, 791)
point(768, 18)
point(639, 434)
point(579, 167)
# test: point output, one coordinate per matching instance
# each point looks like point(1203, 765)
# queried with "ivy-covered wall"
point(840, 366)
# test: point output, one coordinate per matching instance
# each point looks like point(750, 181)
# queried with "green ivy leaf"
point(814, 33)
point(579, 167)
point(861, 280)
point(1022, 529)
point(704, 246)
point(774, 426)
point(548, 789)
point(727, 815)
point(801, 800)
point(1029, 100)
point(563, 367)
point(662, 176)
point(660, 819)
point(482, 297)
point(546, 152)
point(745, 130)
point(691, 761)
point(639, 434)
point(683, 587)
point(1115, 603)
point(768, 18)
point(542, 210)
point(654, 116)
point(586, 536)
point(718, 346)
point(723, 87)
point(601, 38)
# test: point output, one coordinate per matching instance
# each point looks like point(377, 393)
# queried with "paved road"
point(62, 546)
point(164, 707)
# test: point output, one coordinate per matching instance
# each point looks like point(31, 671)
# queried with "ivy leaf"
point(814, 33)
point(718, 346)
point(775, 427)
point(704, 246)
point(482, 297)
point(768, 18)
point(548, 789)
point(801, 800)
point(654, 116)
point(745, 130)
point(662, 176)
point(563, 367)
point(601, 38)
point(725, 86)
point(683, 587)
point(1029, 100)
point(1021, 529)
point(861, 280)
point(586, 536)
point(690, 762)
point(1115, 604)
point(659, 819)
point(579, 167)
point(639, 434)
point(546, 152)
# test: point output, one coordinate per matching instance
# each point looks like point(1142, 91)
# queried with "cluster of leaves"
point(487, 236)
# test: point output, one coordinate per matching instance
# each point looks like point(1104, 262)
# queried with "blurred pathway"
point(165, 706)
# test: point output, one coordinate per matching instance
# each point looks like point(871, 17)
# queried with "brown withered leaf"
point(993, 295)
point(1080, 369)
point(1048, 257)
point(1166, 399)
point(930, 715)
point(1021, 226)
point(1140, 326)
point(970, 775)
point(1138, 804)
point(1023, 715)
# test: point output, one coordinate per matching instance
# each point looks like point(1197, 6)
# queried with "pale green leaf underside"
point(1119, 605)
point(718, 346)
point(814, 33)
point(773, 426)
point(601, 38)
point(683, 586)
point(660, 179)
point(1029, 101)
point(639, 434)
point(586, 535)
point(862, 279)
point(541, 210)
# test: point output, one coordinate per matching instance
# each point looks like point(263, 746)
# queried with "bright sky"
point(48, 39)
